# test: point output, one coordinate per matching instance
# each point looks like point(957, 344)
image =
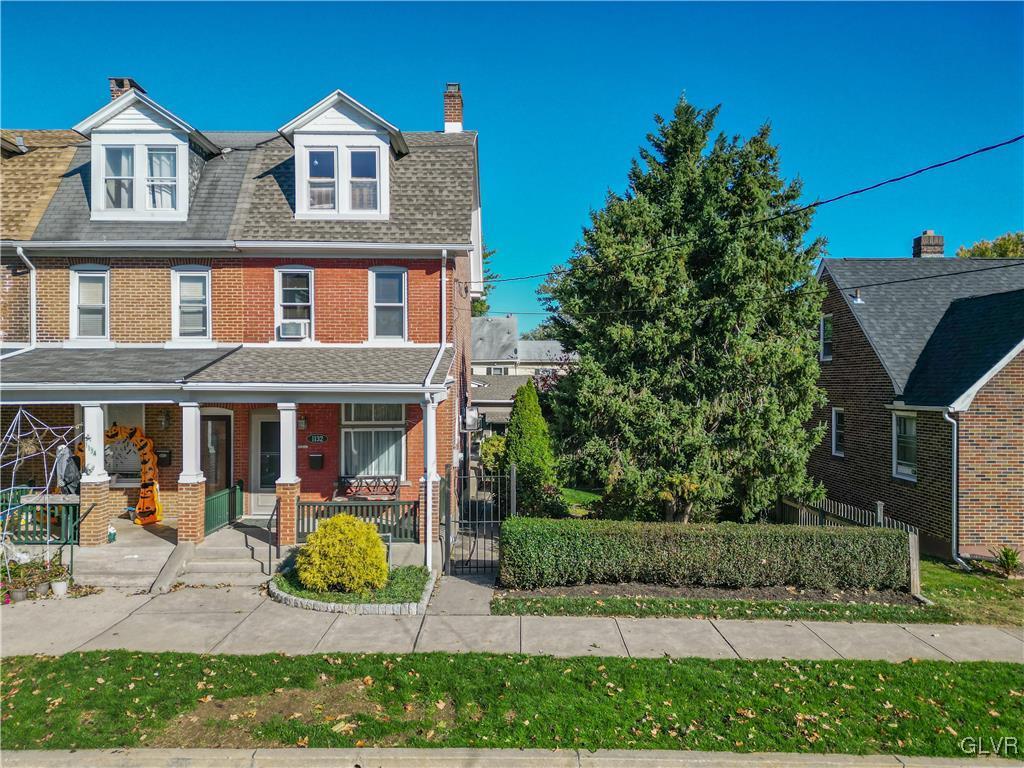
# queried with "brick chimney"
point(452, 108)
point(929, 245)
point(120, 85)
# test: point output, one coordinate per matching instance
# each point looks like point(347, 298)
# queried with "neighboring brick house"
point(922, 360)
point(289, 309)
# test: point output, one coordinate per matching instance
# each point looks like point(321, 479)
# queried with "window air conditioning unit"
point(294, 329)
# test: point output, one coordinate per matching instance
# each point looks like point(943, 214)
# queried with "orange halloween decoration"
point(148, 509)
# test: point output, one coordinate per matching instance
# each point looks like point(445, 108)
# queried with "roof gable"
point(902, 301)
point(135, 111)
point(340, 113)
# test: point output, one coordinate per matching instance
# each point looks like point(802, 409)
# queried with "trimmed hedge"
point(548, 553)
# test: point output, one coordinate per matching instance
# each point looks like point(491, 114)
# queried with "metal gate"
point(473, 506)
point(223, 507)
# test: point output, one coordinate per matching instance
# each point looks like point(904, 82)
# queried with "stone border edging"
point(361, 609)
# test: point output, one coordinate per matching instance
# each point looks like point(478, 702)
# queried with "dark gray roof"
point(432, 190)
point(326, 365)
point(497, 389)
point(494, 338)
point(135, 365)
point(249, 194)
point(540, 351)
point(904, 300)
point(972, 337)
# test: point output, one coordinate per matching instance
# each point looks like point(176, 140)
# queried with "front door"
point(265, 462)
point(215, 454)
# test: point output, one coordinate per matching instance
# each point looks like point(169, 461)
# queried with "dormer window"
point(364, 179)
point(119, 170)
point(162, 181)
point(323, 180)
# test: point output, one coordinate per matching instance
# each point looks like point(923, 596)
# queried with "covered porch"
point(231, 445)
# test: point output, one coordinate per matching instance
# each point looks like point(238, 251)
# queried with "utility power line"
point(774, 217)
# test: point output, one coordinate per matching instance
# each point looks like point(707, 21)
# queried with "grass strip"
point(405, 585)
point(718, 609)
point(127, 699)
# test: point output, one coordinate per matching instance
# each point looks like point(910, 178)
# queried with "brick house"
point(922, 360)
point(287, 309)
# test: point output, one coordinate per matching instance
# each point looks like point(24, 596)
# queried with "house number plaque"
point(316, 437)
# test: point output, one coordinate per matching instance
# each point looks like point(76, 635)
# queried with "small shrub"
point(492, 453)
point(1007, 560)
point(343, 554)
point(547, 553)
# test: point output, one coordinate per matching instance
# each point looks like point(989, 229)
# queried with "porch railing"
point(399, 519)
point(222, 507)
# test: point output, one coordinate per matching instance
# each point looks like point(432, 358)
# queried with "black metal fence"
point(473, 506)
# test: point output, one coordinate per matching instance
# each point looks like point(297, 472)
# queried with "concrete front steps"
point(133, 561)
point(236, 555)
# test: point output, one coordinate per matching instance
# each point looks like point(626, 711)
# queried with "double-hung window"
point(119, 177)
point(904, 445)
point(162, 178)
point(497, 370)
point(294, 304)
point(825, 338)
point(372, 440)
point(364, 182)
point(192, 305)
point(323, 180)
point(90, 291)
point(838, 432)
point(388, 311)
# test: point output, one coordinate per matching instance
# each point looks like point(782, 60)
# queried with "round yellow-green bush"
point(344, 554)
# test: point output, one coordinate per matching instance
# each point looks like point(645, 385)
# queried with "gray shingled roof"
point(972, 337)
point(494, 338)
point(904, 300)
point(135, 365)
point(432, 191)
point(540, 351)
point(249, 194)
point(326, 365)
point(497, 389)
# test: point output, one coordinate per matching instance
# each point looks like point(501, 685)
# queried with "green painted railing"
point(397, 518)
point(222, 507)
point(40, 523)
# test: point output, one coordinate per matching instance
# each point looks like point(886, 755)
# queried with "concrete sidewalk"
point(239, 620)
point(461, 758)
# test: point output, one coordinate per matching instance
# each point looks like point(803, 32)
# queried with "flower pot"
point(42, 589)
point(17, 595)
point(60, 588)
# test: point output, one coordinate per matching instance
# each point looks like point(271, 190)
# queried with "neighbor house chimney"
point(120, 85)
point(929, 245)
point(452, 108)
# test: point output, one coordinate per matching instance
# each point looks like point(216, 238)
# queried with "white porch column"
point(93, 425)
point(429, 476)
point(191, 444)
point(289, 441)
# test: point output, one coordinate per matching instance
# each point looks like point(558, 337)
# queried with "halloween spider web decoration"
point(28, 440)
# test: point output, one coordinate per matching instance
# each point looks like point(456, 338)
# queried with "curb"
point(359, 609)
point(373, 757)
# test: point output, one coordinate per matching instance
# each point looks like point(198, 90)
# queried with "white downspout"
point(955, 482)
point(31, 295)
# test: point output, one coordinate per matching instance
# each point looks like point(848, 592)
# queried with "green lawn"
point(405, 585)
point(967, 598)
point(125, 699)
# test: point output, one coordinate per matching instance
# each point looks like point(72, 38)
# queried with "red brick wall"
point(992, 464)
point(856, 381)
point(14, 301)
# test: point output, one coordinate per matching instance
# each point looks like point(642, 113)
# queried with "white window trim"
point(116, 481)
point(835, 412)
point(190, 271)
point(895, 464)
point(140, 142)
point(279, 313)
point(372, 316)
point(88, 269)
point(165, 180)
point(373, 426)
point(821, 338)
point(343, 145)
point(323, 212)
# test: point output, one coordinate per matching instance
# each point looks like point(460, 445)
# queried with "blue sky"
point(563, 94)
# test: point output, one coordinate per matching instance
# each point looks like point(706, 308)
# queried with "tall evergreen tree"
point(694, 321)
point(528, 446)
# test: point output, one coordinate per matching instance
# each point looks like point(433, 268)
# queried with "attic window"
point(162, 180)
point(323, 180)
point(119, 175)
point(364, 180)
